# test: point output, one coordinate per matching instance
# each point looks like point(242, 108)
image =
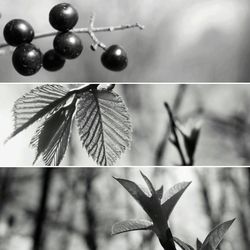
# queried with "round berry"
point(114, 58)
point(52, 61)
point(18, 31)
point(68, 45)
point(27, 59)
point(63, 17)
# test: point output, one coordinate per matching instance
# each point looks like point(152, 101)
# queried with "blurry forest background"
point(75, 208)
point(194, 40)
point(223, 108)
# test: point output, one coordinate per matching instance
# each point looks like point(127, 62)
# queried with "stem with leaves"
point(162, 147)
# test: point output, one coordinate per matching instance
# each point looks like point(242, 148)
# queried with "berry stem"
point(89, 30)
point(92, 35)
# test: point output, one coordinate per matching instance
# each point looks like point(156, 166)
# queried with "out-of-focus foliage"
point(183, 40)
point(82, 204)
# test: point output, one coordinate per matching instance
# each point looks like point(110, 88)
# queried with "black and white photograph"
point(125, 208)
point(125, 124)
point(124, 41)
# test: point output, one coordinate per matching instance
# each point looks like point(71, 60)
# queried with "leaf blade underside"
point(104, 125)
point(35, 104)
point(131, 225)
point(52, 137)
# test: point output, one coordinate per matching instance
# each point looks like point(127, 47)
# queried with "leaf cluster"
point(159, 207)
point(101, 115)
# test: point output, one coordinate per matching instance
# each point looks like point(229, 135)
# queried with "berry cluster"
point(27, 59)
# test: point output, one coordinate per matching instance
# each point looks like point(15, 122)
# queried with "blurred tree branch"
point(162, 147)
point(39, 232)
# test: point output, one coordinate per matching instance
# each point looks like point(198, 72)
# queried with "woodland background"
point(190, 41)
point(74, 208)
point(223, 109)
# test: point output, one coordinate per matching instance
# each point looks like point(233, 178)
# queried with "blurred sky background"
point(191, 40)
point(82, 204)
point(222, 108)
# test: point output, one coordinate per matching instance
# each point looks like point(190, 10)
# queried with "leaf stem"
point(90, 30)
point(82, 89)
point(168, 243)
point(176, 139)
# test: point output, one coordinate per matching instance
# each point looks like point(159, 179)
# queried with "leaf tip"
point(231, 221)
point(112, 230)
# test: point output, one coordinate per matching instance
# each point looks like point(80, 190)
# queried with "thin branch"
point(39, 231)
point(162, 147)
point(176, 139)
point(206, 197)
point(90, 236)
point(91, 29)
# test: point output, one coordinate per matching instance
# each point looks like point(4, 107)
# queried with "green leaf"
point(37, 103)
point(172, 197)
point(198, 244)
point(216, 235)
point(149, 184)
point(131, 225)
point(182, 245)
point(52, 137)
point(104, 125)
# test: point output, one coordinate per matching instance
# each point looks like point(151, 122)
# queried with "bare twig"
point(176, 139)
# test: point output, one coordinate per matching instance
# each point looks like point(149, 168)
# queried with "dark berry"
point(63, 17)
point(52, 61)
point(27, 59)
point(18, 31)
point(114, 58)
point(68, 45)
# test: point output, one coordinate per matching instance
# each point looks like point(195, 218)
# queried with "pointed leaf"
point(198, 244)
point(150, 205)
point(216, 235)
point(34, 105)
point(134, 190)
point(149, 184)
point(144, 189)
point(104, 125)
point(159, 192)
point(131, 225)
point(52, 137)
point(182, 245)
point(172, 197)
